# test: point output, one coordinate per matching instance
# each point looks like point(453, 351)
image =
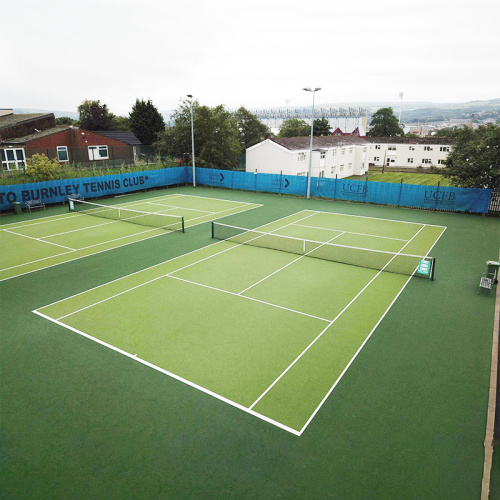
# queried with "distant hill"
point(71, 114)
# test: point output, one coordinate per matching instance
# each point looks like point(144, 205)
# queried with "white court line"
point(289, 264)
point(38, 239)
point(350, 232)
point(172, 207)
point(174, 376)
point(169, 274)
point(152, 267)
point(44, 220)
point(376, 218)
point(80, 229)
point(331, 323)
point(364, 342)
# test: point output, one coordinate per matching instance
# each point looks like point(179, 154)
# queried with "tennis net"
point(161, 221)
point(392, 262)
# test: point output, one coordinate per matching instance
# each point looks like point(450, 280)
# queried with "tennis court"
point(267, 320)
point(35, 244)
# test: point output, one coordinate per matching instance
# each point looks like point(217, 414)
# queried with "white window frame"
point(16, 162)
point(341, 168)
point(376, 158)
point(426, 161)
point(444, 149)
point(391, 148)
point(65, 149)
point(377, 146)
point(322, 155)
point(441, 162)
point(333, 169)
point(301, 157)
point(349, 166)
point(410, 160)
point(342, 152)
point(428, 148)
point(411, 148)
point(334, 152)
point(350, 151)
point(91, 150)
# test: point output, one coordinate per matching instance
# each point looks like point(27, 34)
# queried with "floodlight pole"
point(307, 89)
point(400, 107)
point(192, 141)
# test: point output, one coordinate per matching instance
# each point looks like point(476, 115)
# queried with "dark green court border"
point(408, 421)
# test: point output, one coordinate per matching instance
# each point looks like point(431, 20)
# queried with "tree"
point(252, 130)
point(322, 127)
point(40, 168)
point(448, 132)
point(293, 127)
point(216, 136)
point(146, 121)
point(95, 116)
point(384, 123)
point(474, 160)
point(121, 123)
point(66, 120)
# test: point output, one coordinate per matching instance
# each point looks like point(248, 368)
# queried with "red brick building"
point(23, 135)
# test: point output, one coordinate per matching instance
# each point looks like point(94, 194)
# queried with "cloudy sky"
point(257, 54)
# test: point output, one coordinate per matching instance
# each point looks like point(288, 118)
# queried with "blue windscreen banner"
point(90, 187)
point(384, 193)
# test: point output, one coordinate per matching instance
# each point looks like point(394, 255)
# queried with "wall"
point(28, 128)
point(403, 153)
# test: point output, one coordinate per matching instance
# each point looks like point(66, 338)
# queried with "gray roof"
point(36, 135)
point(16, 119)
point(120, 135)
point(328, 141)
point(410, 140)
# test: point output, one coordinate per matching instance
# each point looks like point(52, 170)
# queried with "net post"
point(183, 225)
point(433, 267)
point(212, 229)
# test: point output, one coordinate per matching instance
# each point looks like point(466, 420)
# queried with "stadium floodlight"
point(307, 89)
point(192, 140)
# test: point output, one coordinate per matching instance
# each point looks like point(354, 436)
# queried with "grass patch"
point(408, 178)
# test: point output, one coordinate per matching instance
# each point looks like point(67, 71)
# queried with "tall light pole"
point(307, 89)
point(400, 107)
point(192, 141)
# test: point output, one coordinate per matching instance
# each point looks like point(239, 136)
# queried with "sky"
point(258, 54)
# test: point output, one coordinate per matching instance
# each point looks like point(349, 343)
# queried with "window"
point(322, 155)
point(341, 168)
point(426, 160)
point(334, 152)
point(349, 166)
point(377, 146)
point(342, 151)
point(390, 160)
point(322, 173)
point(441, 162)
point(301, 157)
point(410, 160)
point(411, 148)
point(350, 151)
point(391, 148)
point(333, 169)
point(98, 153)
point(12, 159)
point(376, 158)
point(62, 153)
point(444, 149)
point(427, 148)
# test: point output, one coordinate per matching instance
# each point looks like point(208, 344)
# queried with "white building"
point(409, 152)
point(333, 156)
point(343, 156)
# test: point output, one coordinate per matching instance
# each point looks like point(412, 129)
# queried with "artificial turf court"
point(36, 244)
point(406, 420)
point(291, 325)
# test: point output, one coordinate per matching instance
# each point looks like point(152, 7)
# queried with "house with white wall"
point(332, 156)
point(409, 152)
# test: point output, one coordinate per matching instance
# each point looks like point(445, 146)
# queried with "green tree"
point(95, 116)
point(474, 160)
point(40, 168)
point(322, 127)
point(121, 123)
point(146, 121)
point(448, 132)
point(252, 130)
point(384, 123)
point(293, 127)
point(216, 136)
point(66, 120)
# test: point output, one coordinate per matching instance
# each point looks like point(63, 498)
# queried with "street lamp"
point(307, 89)
point(192, 140)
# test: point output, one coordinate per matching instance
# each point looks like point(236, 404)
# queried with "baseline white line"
point(147, 268)
point(376, 218)
point(349, 232)
point(172, 375)
point(172, 207)
point(289, 264)
point(38, 239)
point(366, 340)
point(44, 220)
point(330, 324)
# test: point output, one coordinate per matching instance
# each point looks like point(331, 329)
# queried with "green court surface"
point(183, 366)
point(292, 324)
point(28, 246)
